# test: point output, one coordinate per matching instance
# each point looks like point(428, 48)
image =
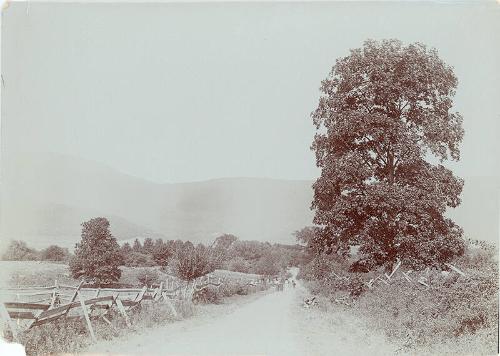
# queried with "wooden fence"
point(25, 308)
point(409, 276)
point(413, 278)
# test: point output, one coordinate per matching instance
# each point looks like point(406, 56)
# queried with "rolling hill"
point(45, 197)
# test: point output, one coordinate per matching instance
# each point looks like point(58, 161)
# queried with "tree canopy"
point(97, 256)
point(384, 128)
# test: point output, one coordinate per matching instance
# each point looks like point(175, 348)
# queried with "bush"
point(450, 308)
point(239, 264)
point(58, 337)
point(460, 312)
point(148, 277)
point(322, 267)
point(67, 335)
point(191, 262)
point(208, 295)
point(138, 259)
point(54, 253)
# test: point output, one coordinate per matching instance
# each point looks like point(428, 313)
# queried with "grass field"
point(39, 273)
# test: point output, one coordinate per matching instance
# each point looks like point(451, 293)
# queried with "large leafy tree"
point(97, 256)
point(384, 127)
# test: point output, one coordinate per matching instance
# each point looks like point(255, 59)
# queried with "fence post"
point(141, 294)
point(5, 315)
point(86, 315)
point(122, 311)
point(455, 269)
point(74, 297)
point(54, 295)
point(159, 292)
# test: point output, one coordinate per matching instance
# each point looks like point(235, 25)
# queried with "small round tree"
point(97, 256)
point(384, 126)
point(54, 253)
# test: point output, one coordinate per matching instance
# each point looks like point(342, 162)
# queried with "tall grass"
point(70, 335)
point(455, 314)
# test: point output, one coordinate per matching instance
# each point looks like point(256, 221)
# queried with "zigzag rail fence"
point(386, 279)
point(25, 308)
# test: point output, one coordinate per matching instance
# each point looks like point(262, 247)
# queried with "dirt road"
point(274, 324)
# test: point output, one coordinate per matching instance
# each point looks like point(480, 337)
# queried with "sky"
point(190, 92)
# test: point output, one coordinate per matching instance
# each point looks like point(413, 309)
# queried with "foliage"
point(184, 259)
point(126, 249)
point(453, 306)
point(97, 257)
point(239, 264)
point(19, 251)
point(271, 264)
point(54, 253)
point(147, 277)
point(137, 247)
point(225, 241)
point(249, 250)
point(191, 262)
point(71, 335)
point(210, 295)
point(385, 109)
point(148, 246)
point(460, 312)
point(162, 252)
point(62, 336)
point(138, 259)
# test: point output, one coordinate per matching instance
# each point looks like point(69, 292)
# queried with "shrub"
point(148, 277)
point(61, 336)
point(54, 253)
point(208, 295)
point(149, 314)
point(138, 259)
point(460, 312)
point(191, 262)
point(229, 288)
point(239, 264)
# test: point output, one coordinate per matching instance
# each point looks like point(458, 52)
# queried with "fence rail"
point(413, 278)
point(19, 313)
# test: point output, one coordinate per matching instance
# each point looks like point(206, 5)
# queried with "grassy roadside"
point(67, 335)
point(70, 335)
point(454, 314)
point(348, 334)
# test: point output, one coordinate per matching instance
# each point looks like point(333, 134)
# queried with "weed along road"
point(261, 327)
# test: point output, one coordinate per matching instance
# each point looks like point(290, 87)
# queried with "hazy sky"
point(184, 92)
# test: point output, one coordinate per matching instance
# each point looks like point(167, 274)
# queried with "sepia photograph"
point(239, 178)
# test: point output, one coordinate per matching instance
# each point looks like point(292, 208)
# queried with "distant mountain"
point(46, 197)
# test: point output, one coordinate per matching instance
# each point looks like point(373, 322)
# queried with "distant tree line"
point(18, 250)
point(98, 256)
point(226, 252)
